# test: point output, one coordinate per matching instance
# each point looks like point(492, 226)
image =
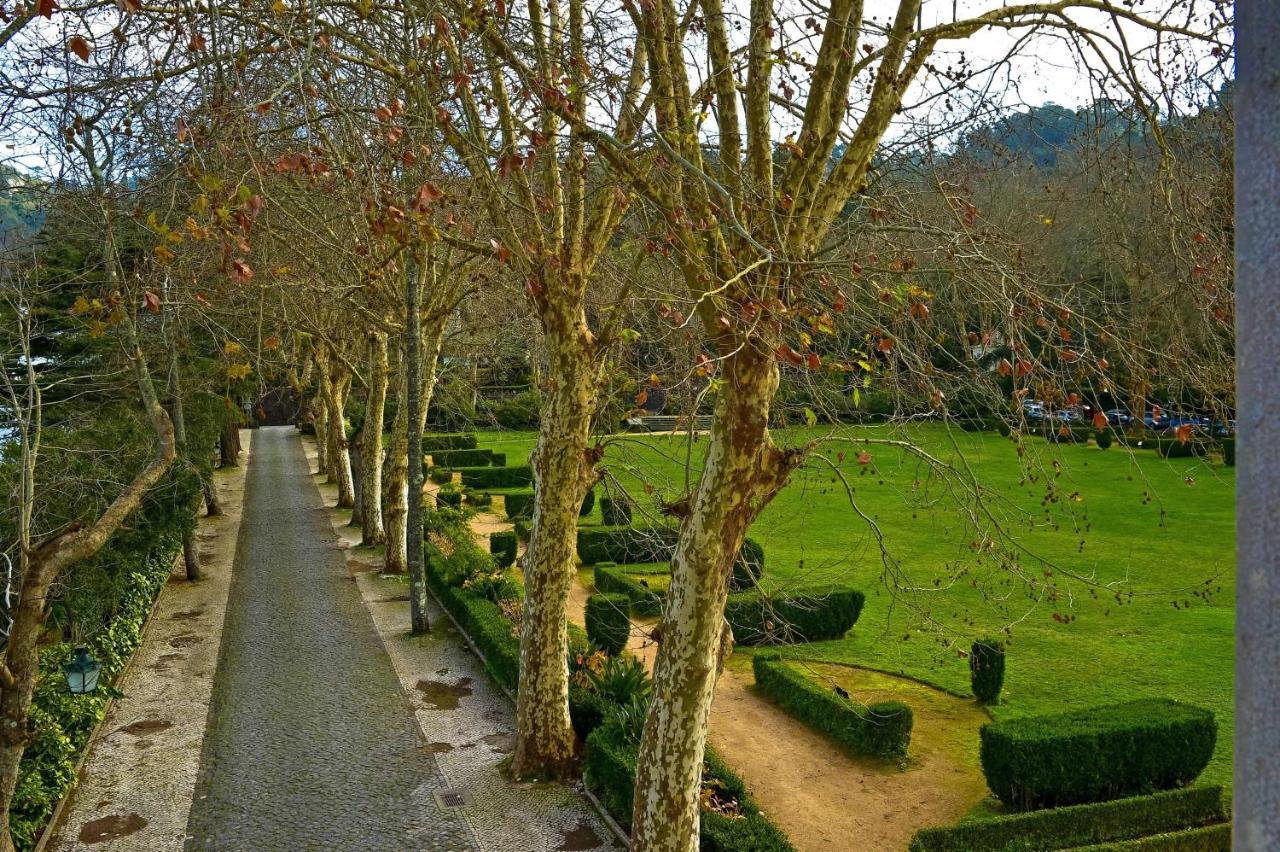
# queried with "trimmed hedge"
point(1208, 838)
point(587, 503)
point(626, 544)
point(882, 730)
point(610, 580)
point(1097, 754)
point(802, 615)
point(1229, 452)
point(1054, 434)
point(449, 499)
point(448, 441)
point(518, 504)
point(461, 458)
point(498, 459)
point(1103, 438)
point(519, 476)
point(1172, 448)
point(480, 618)
point(609, 622)
point(609, 772)
point(440, 475)
point(748, 568)
point(986, 669)
point(1079, 825)
point(615, 511)
point(502, 545)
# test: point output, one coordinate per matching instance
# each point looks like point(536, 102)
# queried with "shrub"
point(802, 615)
point(495, 585)
point(1057, 434)
point(615, 511)
point(609, 622)
point(498, 459)
point(587, 710)
point(1103, 438)
point(587, 503)
point(1096, 754)
point(479, 499)
point(626, 544)
point(520, 476)
point(503, 547)
point(882, 730)
point(461, 458)
point(519, 411)
point(986, 670)
point(1229, 452)
point(480, 618)
point(1172, 448)
point(440, 475)
point(518, 504)
point(524, 529)
point(1080, 825)
point(644, 602)
point(449, 499)
point(1208, 838)
point(448, 441)
point(748, 568)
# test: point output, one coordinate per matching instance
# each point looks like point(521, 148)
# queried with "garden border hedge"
point(808, 614)
point(882, 729)
point(1208, 838)
point(610, 580)
point(1096, 754)
point(503, 544)
point(448, 441)
point(608, 620)
point(461, 458)
point(515, 476)
point(626, 545)
point(1079, 825)
point(518, 504)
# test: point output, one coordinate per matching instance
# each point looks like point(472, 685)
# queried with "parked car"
point(1033, 409)
point(1118, 417)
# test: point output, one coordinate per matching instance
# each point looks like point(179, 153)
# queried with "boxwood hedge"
point(448, 441)
point(611, 580)
point(882, 730)
point(748, 568)
point(462, 458)
point(1172, 448)
point(502, 545)
point(615, 511)
point(608, 619)
point(518, 504)
point(1097, 754)
point(626, 544)
point(1080, 825)
point(517, 476)
point(801, 615)
point(1208, 838)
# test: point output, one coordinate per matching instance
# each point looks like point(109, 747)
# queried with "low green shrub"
point(498, 459)
point(1172, 448)
point(615, 511)
point(801, 615)
point(588, 503)
point(986, 670)
point(587, 710)
point(462, 458)
point(1058, 434)
point(626, 544)
point(1103, 438)
point(502, 545)
point(480, 618)
point(1229, 451)
point(1208, 838)
point(1096, 754)
point(518, 504)
point(518, 476)
point(609, 622)
point(644, 602)
point(449, 499)
point(1080, 825)
point(748, 568)
point(882, 730)
point(479, 499)
point(440, 475)
point(448, 441)
point(524, 528)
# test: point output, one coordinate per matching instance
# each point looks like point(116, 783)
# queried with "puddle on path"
point(503, 743)
point(111, 827)
point(579, 839)
point(444, 696)
point(438, 748)
point(147, 726)
point(188, 614)
point(185, 640)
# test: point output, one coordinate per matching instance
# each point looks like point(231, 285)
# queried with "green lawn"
point(1156, 530)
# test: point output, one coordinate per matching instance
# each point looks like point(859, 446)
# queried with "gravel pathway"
point(311, 743)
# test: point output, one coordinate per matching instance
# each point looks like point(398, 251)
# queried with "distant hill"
point(20, 211)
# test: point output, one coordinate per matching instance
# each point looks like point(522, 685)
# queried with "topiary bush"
point(986, 670)
point(519, 476)
point(479, 499)
point(644, 602)
point(588, 503)
point(503, 547)
point(518, 504)
point(748, 568)
point(440, 475)
point(626, 545)
point(1172, 448)
point(882, 730)
point(1103, 438)
point(608, 622)
point(448, 441)
point(800, 615)
point(523, 528)
point(1096, 754)
point(448, 498)
point(462, 458)
point(615, 511)
point(1082, 825)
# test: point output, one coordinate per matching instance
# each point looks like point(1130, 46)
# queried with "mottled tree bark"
point(372, 531)
point(335, 382)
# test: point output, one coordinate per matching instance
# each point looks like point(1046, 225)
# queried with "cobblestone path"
point(311, 743)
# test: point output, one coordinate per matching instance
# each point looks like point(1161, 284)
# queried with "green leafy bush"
point(1097, 754)
point(801, 615)
point(748, 568)
point(1208, 838)
point(1103, 438)
point(449, 498)
point(503, 547)
point(1229, 452)
point(519, 411)
point(1080, 825)
point(1172, 448)
point(518, 476)
point(615, 511)
point(479, 499)
point(882, 730)
point(609, 622)
point(518, 504)
point(626, 544)
point(448, 441)
point(480, 618)
point(524, 528)
point(440, 475)
point(620, 679)
point(588, 503)
point(986, 670)
point(462, 458)
point(610, 580)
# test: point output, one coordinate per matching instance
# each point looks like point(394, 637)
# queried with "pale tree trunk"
point(741, 473)
point(371, 528)
point(564, 470)
point(321, 422)
point(418, 621)
point(335, 382)
point(190, 550)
